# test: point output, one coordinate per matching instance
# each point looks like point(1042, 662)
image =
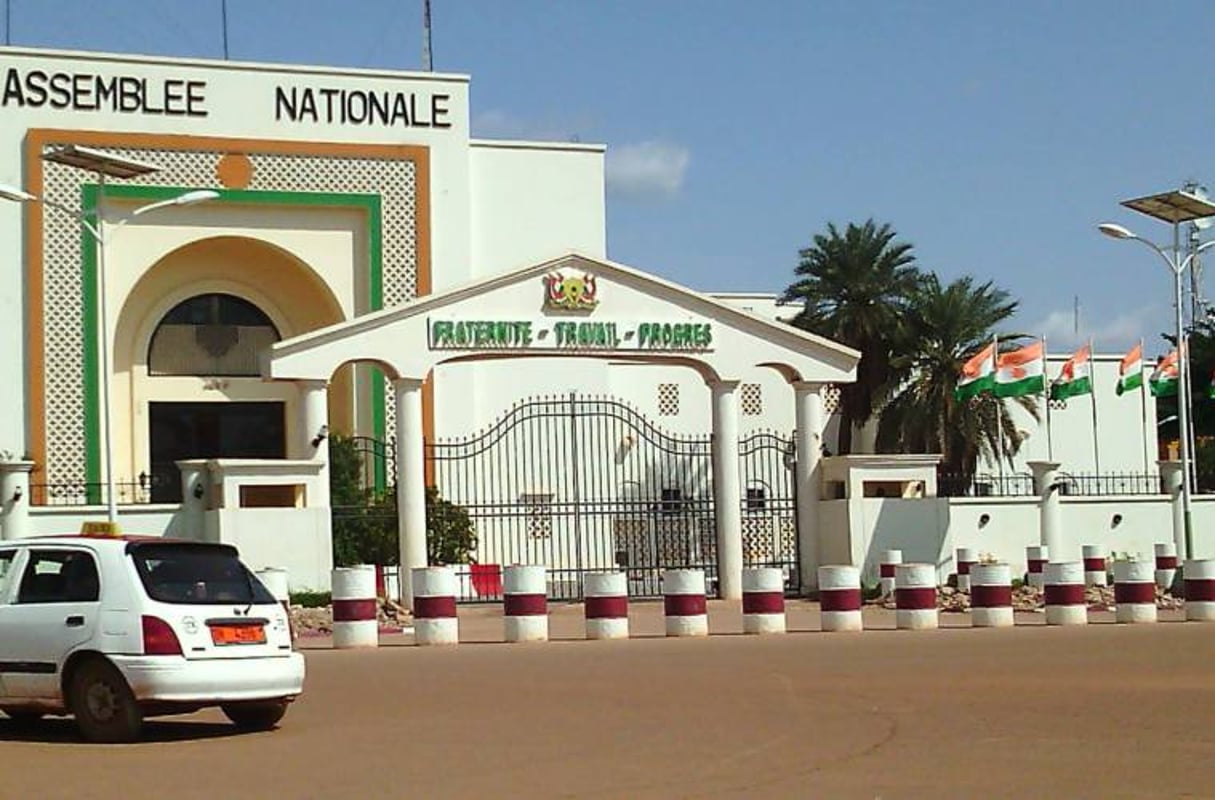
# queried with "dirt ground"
point(1104, 711)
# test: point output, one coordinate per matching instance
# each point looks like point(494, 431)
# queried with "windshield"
point(196, 575)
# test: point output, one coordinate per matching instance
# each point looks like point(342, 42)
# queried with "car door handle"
point(75, 621)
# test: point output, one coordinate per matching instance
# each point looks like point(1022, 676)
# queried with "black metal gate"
point(767, 462)
point(580, 484)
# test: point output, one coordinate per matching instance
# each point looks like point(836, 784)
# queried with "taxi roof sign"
point(106, 529)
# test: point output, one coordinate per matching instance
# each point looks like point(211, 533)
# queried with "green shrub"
point(311, 599)
point(365, 520)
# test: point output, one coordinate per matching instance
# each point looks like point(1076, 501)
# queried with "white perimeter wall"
point(930, 530)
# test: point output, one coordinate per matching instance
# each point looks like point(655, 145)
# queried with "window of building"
point(672, 500)
point(752, 400)
point(668, 399)
point(211, 334)
point(539, 515)
point(757, 498)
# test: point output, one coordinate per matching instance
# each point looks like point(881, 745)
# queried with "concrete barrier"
point(991, 596)
point(683, 600)
point(1036, 559)
point(915, 597)
point(966, 558)
point(763, 601)
point(1199, 576)
point(1134, 591)
point(606, 605)
point(1094, 564)
point(839, 597)
point(276, 582)
point(1166, 564)
point(1063, 589)
point(354, 607)
point(890, 559)
point(434, 606)
point(524, 603)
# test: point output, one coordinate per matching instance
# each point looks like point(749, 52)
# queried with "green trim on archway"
point(369, 204)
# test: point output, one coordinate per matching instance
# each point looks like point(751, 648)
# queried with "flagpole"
point(995, 353)
point(1092, 379)
point(1050, 449)
point(1143, 410)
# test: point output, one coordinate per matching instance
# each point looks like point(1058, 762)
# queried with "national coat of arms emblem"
point(570, 291)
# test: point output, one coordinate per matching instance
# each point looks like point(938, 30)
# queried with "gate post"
point(727, 491)
point(313, 442)
point(808, 399)
point(411, 489)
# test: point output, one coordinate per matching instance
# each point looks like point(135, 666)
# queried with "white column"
point(195, 478)
point(727, 491)
point(15, 499)
point(1050, 529)
point(314, 425)
point(808, 398)
point(411, 483)
point(1170, 473)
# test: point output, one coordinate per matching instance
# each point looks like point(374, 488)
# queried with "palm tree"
point(854, 288)
point(942, 328)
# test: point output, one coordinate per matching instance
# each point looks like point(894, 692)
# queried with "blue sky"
point(992, 135)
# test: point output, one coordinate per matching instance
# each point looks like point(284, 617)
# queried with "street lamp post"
point(104, 165)
point(1175, 207)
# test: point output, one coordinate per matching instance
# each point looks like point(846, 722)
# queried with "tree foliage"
point(863, 289)
point(854, 288)
point(941, 328)
point(365, 520)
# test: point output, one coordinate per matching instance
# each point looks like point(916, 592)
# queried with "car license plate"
point(238, 634)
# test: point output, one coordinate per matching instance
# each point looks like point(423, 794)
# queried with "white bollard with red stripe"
point(1036, 559)
point(1094, 565)
point(1134, 591)
point(1063, 593)
point(606, 605)
point(991, 596)
point(915, 597)
point(525, 603)
point(839, 597)
point(434, 606)
point(275, 581)
point(966, 558)
point(1199, 575)
point(354, 607)
point(763, 600)
point(1166, 564)
point(683, 600)
point(890, 559)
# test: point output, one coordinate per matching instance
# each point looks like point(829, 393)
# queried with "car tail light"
point(159, 639)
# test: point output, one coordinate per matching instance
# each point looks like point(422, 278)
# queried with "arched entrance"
point(187, 351)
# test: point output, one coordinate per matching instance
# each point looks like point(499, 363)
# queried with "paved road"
point(1107, 711)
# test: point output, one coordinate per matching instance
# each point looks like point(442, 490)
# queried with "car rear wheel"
point(261, 716)
point(102, 703)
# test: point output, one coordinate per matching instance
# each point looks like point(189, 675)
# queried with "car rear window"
point(196, 575)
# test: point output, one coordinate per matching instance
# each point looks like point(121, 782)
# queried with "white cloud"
point(1110, 334)
point(647, 169)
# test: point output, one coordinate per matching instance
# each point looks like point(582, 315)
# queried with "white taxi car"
point(111, 629)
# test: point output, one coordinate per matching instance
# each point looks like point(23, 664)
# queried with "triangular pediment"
point(568, 306)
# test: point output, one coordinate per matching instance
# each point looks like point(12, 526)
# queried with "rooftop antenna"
point(427, 64)
point(223, 10)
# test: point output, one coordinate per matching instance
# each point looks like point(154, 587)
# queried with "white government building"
point(363, 265)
